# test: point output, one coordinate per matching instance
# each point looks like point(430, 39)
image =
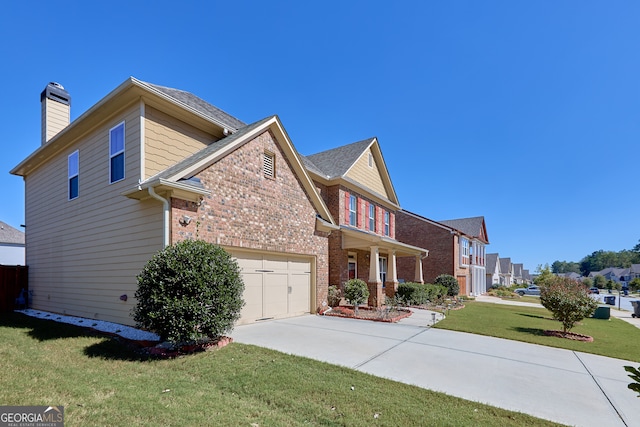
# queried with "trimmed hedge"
point(420, 293)
point(189, 291)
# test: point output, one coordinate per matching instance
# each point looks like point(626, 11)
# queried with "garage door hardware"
point(264, 271)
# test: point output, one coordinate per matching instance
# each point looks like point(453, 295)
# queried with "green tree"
point(356, 292)
point(587, 282)
point(544, 275)
point(634, 285)
point(567, 300)
point(189, 291)
point(565, 267)
point(599, 281)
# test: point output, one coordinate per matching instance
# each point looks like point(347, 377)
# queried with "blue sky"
point(527, 113)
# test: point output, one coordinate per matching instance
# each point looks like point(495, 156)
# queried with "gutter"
point(165, 215)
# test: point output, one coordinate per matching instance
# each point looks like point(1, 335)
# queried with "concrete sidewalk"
point(560, 385)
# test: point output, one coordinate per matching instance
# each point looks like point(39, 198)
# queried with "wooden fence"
point(13, 278)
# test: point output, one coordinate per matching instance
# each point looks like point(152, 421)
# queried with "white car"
point(531, 290)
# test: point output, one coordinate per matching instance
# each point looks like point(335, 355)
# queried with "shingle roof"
point(470, 226)
point(337, 161)
point(8, 234)
point(505, 265)
point(491, 260)
point(201, 106)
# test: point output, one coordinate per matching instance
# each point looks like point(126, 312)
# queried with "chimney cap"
point(55, 91)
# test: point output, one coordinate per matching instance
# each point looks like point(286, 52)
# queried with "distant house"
point(518, 271)
point(619, 275)
point(456, 247)
point(571, 275)
point(493, 269)
point(506, 272)
point(11, 245)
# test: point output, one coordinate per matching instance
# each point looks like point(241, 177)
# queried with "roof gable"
point(474, 227)
point(359, 164)
point(180, 174)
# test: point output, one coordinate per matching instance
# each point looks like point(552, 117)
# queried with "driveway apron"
point(560, 385)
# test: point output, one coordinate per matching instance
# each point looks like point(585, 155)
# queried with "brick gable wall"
point(248, 210)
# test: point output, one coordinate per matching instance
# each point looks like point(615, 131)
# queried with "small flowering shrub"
point(568, 300)
point(333, 296)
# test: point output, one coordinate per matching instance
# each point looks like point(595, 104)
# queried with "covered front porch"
point(381, 252)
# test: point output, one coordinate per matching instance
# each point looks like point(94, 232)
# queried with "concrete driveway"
point(560, 385)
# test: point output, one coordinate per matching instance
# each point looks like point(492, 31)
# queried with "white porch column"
point(419, 277)
point(392, 275)
point(374, 265)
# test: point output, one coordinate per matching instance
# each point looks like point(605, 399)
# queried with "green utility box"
point(602, 312)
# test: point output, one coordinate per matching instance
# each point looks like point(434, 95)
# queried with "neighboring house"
point(634, 271)
point(11, 245)
point(518, 271)
point(457, 248)
point(493, 270)
point(572, 275)
point(619, 275)
point(526, 276)
point(355, 185)
point(506, 272)
point(148, 166)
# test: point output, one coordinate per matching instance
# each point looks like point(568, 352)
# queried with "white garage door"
point(275, 286)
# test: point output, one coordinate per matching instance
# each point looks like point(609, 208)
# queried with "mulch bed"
point(383, 314)
point(155, 350)
point(569, 336)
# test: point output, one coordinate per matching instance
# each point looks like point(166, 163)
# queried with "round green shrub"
point(333, 296)
point(189, 291)
point(356, 292)
point(449, 282)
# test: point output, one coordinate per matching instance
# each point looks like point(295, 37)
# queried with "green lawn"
point(100, 382)
point(612, 338)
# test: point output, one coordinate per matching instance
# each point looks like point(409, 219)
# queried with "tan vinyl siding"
point(55, 119)
point(73, 269)
point(169, 141)
point(368, 176)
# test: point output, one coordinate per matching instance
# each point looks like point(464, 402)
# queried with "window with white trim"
point(464, 251)
point(73, 174)
point(116, 153)
point(387, 228)
point(269, 164)
point(372, 217)
point(353, 210)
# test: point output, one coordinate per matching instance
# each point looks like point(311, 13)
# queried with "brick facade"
point(443, 249)
point(248, 210)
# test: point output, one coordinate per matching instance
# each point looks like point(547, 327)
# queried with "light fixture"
point(185, 220)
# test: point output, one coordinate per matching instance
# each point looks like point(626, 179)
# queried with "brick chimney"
point(56, 109)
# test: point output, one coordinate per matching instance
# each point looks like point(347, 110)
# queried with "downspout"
point(165, 215)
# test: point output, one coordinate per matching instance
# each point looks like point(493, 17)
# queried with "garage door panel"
point(275, 295)
point(276, 285)
point(300, 292)
point(252, 296)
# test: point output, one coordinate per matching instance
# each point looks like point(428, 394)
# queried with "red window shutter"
point(379, 220)
point(359, 213)
point(392, 225)
point(366, 215)
point(347, 199)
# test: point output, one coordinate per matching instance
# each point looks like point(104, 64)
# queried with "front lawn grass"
point(101, 382)
point(612, 338)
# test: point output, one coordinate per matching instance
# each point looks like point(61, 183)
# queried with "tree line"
point(599, 260)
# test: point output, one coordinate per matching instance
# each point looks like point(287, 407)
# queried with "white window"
point(116, 153)
point(464, 251)
point(383, 269)
point(269, 164)
point(386, 223)
point(372, 217)
point(73, 169)
point(353, 210)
